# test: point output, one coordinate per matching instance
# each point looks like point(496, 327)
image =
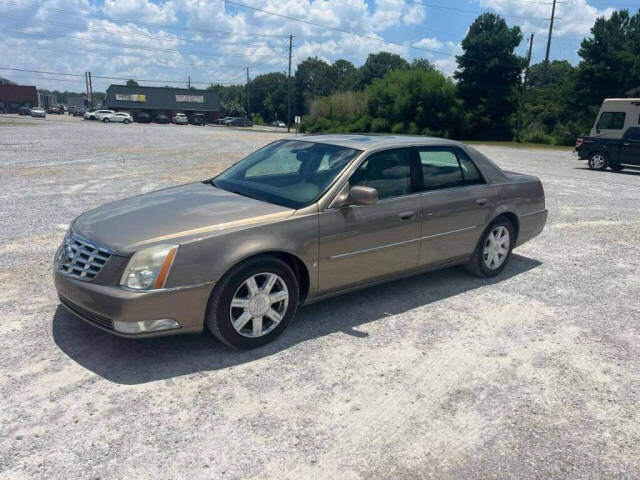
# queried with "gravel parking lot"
point(534, 374)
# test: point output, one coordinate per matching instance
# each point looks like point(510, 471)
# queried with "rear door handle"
point(406, 215)
point(481, 202)
point(626, 144)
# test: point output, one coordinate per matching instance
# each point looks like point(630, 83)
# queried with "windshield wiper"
point(237, 192)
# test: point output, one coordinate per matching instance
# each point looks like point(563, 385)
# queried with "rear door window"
point(440, 168)
point(633, 134)
point(611, 121)
point(470, 173)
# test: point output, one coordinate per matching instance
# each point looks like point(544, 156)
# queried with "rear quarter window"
point(611, 121)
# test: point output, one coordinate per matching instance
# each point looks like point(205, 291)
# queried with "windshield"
point(290, 173)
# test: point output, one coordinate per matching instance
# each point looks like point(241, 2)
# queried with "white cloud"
point(573, 17)
point(429, 43)
point(141, 10)
point(202, 50)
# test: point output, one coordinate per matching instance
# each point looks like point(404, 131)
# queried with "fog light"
point(145, 326)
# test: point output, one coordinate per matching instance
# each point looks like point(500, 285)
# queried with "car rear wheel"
point(253, 303)
point(493, 250)
point(105, 120)
point(598, 161)
point(126, 121)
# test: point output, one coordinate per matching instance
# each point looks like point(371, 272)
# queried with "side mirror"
point(359, 195)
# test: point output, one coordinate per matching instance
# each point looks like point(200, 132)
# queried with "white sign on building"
point(190, 98)
point(133, 97)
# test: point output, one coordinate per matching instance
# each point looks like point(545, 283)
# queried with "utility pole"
point(553, 14)
point(86, 81)
point(248, 97)
point(90, 91)
point(526, 72)
point(289, 85)
point(189, 82)
point(523, 88)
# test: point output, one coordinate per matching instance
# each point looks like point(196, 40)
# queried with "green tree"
point(132, 83)
point(414, 101)
point(422, 64)
point(379, 64)
point(312, 80)
point(548, 108)
point(230, 94)
point(269, 96)
point(344, 75)
point(610, 65)
point(488, 77)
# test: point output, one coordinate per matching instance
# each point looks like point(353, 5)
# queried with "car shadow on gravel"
point(633, 171)
point(130, 362)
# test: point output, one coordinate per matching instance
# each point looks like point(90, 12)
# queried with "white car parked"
point(180, 119)
point(102, 114)
point(122, 117)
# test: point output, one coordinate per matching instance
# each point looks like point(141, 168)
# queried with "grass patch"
point(539, 146)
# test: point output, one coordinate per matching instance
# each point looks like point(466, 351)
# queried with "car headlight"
point(149, 268)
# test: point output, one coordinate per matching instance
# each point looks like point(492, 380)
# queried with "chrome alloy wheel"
point(496, 247)
point(259, 305)
point(598, 161)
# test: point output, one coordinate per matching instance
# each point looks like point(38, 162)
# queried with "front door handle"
point(481, 202)
point(406, 215)
point(626, 144)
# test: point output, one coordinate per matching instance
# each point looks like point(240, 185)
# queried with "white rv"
point(615, 117)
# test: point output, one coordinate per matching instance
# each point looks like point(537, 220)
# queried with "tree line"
point(492, 95)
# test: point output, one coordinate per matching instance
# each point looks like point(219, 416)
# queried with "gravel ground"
point(535, 374)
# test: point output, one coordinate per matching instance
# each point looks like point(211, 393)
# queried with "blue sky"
point(166, 41)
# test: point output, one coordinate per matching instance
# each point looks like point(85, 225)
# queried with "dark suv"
point(198, 119)
point(240, 122)
point(142, 117)
point(610, 152)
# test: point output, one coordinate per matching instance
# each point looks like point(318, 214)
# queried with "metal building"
point(78, 101)
point(13, 97)
point(46, 99)
point(163, 100)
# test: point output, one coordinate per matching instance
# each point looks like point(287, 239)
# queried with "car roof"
point(369, 141)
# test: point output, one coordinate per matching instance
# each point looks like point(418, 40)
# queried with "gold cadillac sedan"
point(295, 222)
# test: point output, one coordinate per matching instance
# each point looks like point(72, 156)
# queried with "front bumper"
point(102, 305)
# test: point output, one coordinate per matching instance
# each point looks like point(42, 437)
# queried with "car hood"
point(173, 215)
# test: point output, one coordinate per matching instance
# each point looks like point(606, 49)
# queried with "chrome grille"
point(80, 258)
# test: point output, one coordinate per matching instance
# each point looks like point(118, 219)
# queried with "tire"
point(126, 122)
point(616, 167)
point(221, 315)
point(105, 120)
point(598, 161)
point(480, 262)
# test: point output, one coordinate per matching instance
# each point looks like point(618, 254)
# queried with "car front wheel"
point(598, 161)
point(493, 250)
point(126, 122)
point(253, 303)
point(105, 120)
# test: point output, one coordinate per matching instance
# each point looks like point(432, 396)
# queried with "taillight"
point(578, 142)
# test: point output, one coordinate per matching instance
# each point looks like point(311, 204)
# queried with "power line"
point(158, 25)
point(131, 46)
point(476, 12)
point(362, 35)
point(103, 77)
point(156, 37)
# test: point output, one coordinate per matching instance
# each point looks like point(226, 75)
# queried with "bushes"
point(404, 101)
